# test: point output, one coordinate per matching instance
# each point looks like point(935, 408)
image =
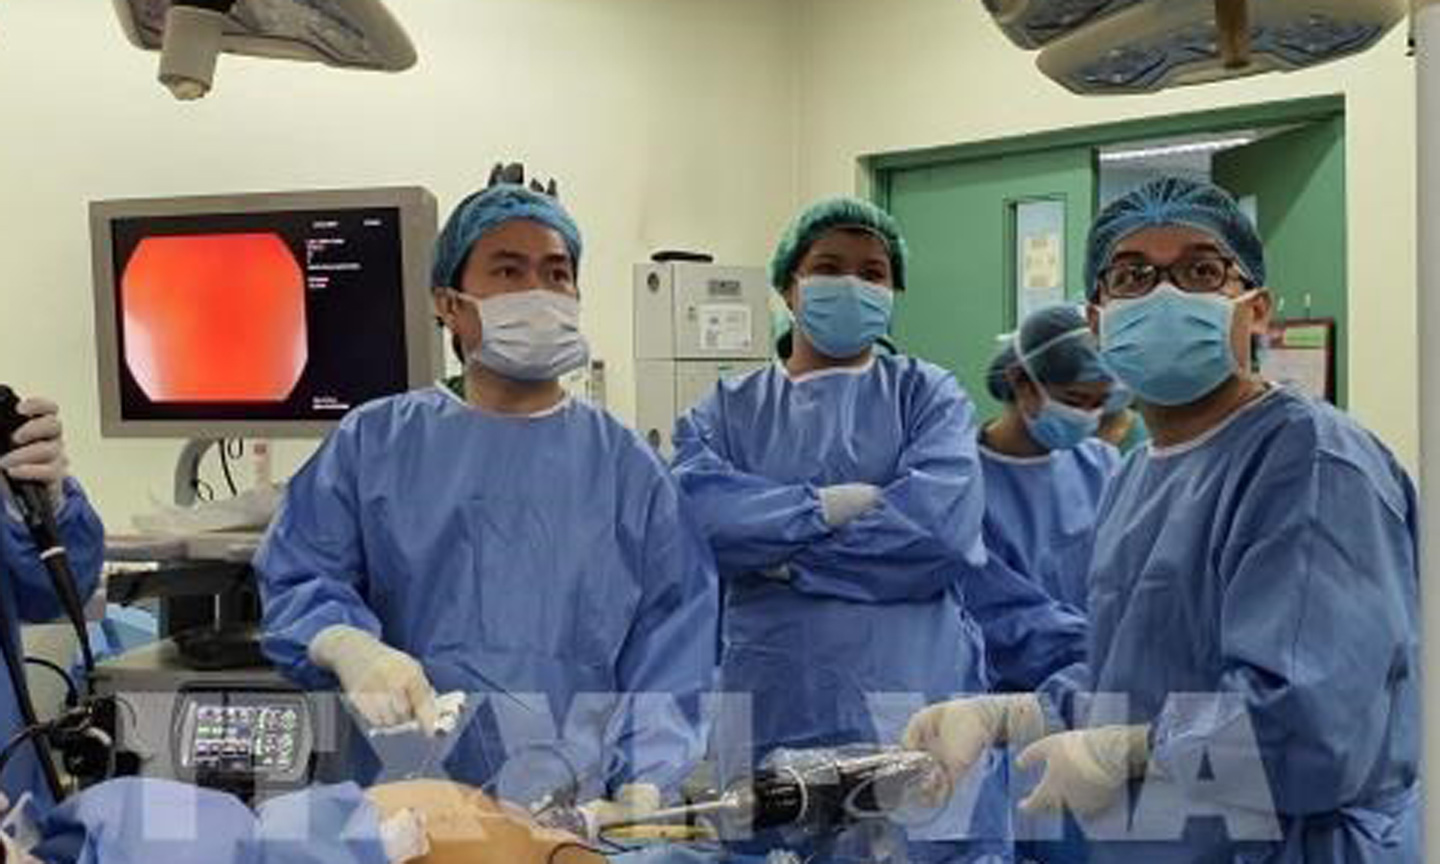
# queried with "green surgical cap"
point(837, 213)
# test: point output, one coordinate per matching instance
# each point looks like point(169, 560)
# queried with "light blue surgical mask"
point(529, 335)
point(1170, 347)
point(842, 316)
point(1059, 426)
point(1056, 426)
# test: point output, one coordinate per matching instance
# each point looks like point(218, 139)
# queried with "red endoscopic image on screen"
point(214, 318)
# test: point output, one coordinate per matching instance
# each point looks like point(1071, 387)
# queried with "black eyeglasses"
point(1201, 274)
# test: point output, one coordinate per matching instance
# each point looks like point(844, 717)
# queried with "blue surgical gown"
point(1040, 514)
point(30, 595)
point(1039, 529)
point(1269, 567)
point(838, 635)
point(146, 820)
point(1028, 635)
point(136, 820)
point(540, 563)
point(142, 821)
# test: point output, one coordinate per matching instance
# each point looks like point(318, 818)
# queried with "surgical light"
point(1137, 46)
point(191, 34)
point(1034, 23)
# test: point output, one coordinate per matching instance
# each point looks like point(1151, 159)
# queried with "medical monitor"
point(264, 315)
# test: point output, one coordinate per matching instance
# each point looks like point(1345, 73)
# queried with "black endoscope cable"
point(72, 692)
point(18, 740)
point(33, 728)
point(225, 459)
point(31, 502)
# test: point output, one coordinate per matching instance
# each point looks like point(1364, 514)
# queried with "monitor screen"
point(244, 317)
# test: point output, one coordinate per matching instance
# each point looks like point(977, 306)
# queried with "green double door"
point(961, 218)
point(1297, 178)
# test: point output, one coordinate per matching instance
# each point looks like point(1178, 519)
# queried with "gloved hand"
point(958, 733)
point(1085, 769)
point(12, 853)
point(843, 502)
point(387, 686)
point(404, 837)
point(18, 832)
point(633, 801)
point(39, 452)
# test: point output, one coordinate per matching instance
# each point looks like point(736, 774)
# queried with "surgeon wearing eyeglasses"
point(1253, 591)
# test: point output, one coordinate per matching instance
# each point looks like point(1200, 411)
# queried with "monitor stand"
point(229, 638)
point(187, 470)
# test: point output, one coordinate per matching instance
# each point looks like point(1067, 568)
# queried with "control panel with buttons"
point(263, 735)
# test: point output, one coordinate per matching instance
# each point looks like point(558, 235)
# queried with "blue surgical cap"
point(1175, 201)
point(483, 212)
point(837, 213)
point(1057, 347)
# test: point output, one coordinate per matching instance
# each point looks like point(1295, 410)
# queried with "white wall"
point(900, 74)
point(667, 123)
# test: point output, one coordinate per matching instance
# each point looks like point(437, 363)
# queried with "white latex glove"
point(1085, 769)
point(387, 686)
point(404, 837)
point(39, 452)
point(11, 853)
point(634, 801)
point(843, 502)
point(958, 733)
point(15, 849)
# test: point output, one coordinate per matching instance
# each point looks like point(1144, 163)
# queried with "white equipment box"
point(694, 325)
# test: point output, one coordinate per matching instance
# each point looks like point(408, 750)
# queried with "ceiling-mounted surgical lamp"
point(1140, 46)
point(191, 34)
point(1037, 23)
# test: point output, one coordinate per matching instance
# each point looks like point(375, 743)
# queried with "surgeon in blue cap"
point(1252, 690)
point(1045, 473)
point(505, 541)
point(842, 495)
point(1044, 468)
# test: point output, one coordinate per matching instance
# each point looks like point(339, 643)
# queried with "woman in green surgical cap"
point(841, 493)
